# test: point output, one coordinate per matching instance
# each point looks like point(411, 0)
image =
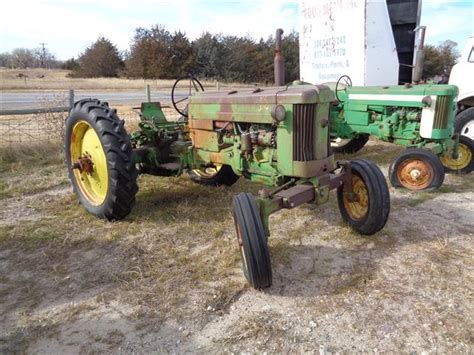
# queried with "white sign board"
point(351, 37)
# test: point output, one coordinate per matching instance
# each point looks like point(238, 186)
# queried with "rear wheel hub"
point(84, 164)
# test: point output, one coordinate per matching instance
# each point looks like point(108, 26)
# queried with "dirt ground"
point(168, 278)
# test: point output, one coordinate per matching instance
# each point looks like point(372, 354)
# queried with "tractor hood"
point(301, 94)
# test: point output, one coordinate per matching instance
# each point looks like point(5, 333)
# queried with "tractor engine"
point(267, 135)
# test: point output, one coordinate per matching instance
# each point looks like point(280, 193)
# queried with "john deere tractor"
point(419, 117)
point(276, 136)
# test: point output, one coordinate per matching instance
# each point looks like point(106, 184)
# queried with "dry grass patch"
point(57, 79)
point(27, 169)
point(262, 325)
point(175, 261)
point(177, 247)
point(381, 153)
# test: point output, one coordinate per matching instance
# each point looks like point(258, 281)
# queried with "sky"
point(70, 26)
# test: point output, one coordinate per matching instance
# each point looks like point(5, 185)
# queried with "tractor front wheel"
point(252, 241)
point(214, 175)
point(416, 169)
point(366, 208)
point(99, 160)
point(460, 162)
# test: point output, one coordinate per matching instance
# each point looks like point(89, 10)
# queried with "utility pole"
point(43, 54)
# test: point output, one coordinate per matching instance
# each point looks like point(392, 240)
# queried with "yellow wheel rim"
point(86, 142)
point(461, 161)
point(358, 206)
point(209, 171)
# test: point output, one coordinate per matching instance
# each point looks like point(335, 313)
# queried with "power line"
point(43, 54)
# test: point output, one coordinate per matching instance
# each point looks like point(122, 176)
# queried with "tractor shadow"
point(176, 198)
point(180, 197)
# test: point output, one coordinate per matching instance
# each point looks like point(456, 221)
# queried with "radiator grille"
point(441, 112)
point(303, 132)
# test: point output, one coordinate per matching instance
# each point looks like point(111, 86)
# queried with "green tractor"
point(419, 117)
point(277, 136)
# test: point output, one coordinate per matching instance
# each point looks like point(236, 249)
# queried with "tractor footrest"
point(296, 195)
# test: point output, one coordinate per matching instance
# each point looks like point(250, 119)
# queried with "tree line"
point(156, 53)
point(440, 59)
point(22, 58)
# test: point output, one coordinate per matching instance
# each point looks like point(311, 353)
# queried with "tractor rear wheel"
point(252, 241)
point(367, 209)
point(99, 160)
point(349, 146)
point(416, 169)
point(214, 175)
point(463, 161)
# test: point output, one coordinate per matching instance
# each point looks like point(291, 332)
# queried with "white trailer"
point(462, 75)
point(347, 37)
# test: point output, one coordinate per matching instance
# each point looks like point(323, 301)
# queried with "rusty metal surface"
point(200, 124)
point(296, 195)
point(84, 164)
point(205, 139)
point(415, 174)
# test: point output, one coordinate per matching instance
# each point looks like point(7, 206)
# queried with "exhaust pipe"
point(279, 61)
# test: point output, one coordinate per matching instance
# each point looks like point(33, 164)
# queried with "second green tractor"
point(418, 117)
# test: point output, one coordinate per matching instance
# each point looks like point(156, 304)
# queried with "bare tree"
point(23, 58)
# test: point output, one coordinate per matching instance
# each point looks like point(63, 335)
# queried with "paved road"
point(19, 100)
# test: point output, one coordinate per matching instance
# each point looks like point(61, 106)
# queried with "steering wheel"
point(343, 80)
point(193, 84)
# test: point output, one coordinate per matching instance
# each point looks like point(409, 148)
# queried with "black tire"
point(464, 163)
point(224, 176)
point(372, 198)
point(252, 241)
point(427, 166)
point(121, 172)
point(351, 146)
point(464, 123)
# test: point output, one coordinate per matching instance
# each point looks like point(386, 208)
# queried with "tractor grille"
point(303, 132)
point(441, 112)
